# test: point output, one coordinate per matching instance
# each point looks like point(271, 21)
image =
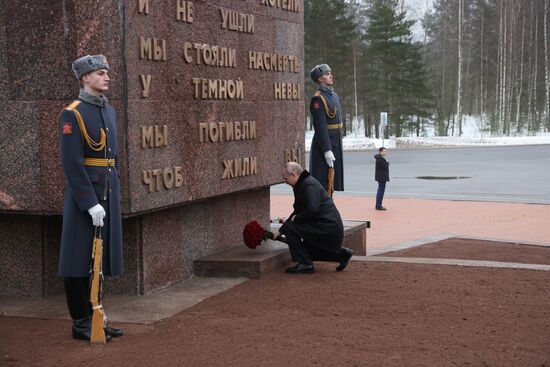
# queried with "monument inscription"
point(231, 53)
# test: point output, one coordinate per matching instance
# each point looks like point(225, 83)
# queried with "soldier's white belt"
point(334, 126)
point(99, 162)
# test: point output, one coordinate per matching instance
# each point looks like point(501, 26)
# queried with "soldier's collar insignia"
point(67, 128)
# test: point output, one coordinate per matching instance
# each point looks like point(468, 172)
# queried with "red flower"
point(254, 234)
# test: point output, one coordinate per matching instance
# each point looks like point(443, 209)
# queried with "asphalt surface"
point(509, 174)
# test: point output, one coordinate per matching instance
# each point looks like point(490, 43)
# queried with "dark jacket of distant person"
point(382, 170)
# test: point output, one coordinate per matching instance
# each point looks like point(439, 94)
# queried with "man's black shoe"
point(111, 331)
point(345, 256)
point(381, 208)
point(301, 269)
point(82, 330)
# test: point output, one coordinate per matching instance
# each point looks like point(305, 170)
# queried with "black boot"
point(344, 257)
point(82, 330)
point(109, 331)
point(115, 333)
point(301, 269)
point(78, 302)
point(112, 332)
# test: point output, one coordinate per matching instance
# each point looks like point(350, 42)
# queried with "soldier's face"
point(97, 80)
point(327, 79)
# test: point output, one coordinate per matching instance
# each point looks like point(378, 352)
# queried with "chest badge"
point(316, 105)
point(67, 128)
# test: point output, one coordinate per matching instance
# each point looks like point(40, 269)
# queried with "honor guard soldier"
point(89, 155)
point(326, 146)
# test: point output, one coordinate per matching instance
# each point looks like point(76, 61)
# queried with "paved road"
point(510, 174)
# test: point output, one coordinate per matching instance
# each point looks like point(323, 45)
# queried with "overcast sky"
point(416, 10)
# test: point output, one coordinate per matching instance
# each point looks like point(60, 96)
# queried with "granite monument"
point(209, 96)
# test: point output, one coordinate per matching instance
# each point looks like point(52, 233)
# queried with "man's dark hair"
point(381, 149)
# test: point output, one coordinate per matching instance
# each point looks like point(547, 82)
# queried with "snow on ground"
point(471, 136)
point(352, 142)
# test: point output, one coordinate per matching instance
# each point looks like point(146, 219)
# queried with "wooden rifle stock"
point(330, 186)
point(97, 334)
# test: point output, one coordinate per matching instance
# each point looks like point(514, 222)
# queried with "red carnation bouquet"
point(254, 234)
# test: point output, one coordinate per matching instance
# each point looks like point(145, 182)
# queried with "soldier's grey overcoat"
point(85, 188)
point(324, 138)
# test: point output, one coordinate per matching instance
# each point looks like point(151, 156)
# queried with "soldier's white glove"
point(330, 158)
point(97, 213)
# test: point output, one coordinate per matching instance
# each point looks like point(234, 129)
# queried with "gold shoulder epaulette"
point(92, 144)
point(73, 105)
point(330, 114)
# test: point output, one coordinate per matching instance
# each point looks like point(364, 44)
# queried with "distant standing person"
point(326, 146)
point(381, 175)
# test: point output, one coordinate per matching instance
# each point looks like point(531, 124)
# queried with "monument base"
point(159, 247)
point(244, 262)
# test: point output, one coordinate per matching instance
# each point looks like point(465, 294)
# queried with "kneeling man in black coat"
point(314, 231)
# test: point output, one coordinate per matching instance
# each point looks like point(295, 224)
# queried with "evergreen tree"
point(394, 79)
point(331, 32)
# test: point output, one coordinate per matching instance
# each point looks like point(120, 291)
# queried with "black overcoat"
point(325, 139)
point(382, 169)
point(316, 219)
point(85, 188)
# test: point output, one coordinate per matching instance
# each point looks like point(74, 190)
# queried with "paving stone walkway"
point(409, 220)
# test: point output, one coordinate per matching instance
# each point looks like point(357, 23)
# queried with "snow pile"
point(455, 141)
point(472, 135)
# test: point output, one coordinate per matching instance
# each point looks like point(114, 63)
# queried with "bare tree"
point(504, 68)
point(519, 81)
point(460, 62)
point(443, 90)
point(535, 127)
point(533, 64)
point(481, 69)
point(498, 85)
point(546, 66)
point(513, 16)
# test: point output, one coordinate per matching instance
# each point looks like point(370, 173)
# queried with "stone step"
point(244, 262)
point(355, 236)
